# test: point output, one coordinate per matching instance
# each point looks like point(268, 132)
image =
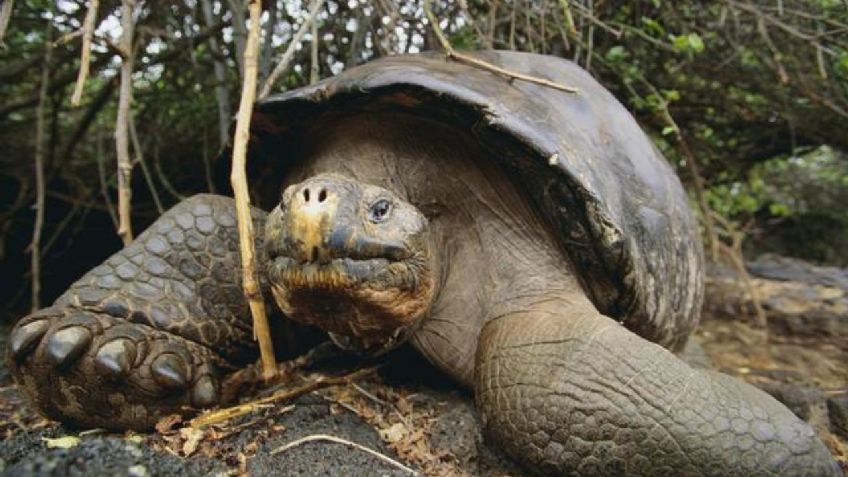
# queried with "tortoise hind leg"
point(95, 370)
point(581, 395)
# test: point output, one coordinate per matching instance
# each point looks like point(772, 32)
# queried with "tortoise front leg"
point(150, 332)
point(582, 395)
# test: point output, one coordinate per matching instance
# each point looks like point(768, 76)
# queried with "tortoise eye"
point(379, 211)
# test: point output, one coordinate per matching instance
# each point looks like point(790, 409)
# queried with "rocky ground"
point(406, 419)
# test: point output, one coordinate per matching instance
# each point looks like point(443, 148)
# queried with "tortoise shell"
point(617, 208)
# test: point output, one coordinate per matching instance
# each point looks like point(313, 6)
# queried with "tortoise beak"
point(312, 211)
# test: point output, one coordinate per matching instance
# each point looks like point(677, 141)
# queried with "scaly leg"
point(571, 392)
point(149, 332)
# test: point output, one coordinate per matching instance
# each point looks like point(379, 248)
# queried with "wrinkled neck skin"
point(493, 253)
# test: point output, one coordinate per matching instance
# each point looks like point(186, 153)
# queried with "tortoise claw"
point(67, 344)
point(169, 371)
point(204, 393)
point(116, 357)
point(24, 338)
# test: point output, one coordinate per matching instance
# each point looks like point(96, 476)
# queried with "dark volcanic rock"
point(799, 299)
point(776, 267)
point(27, 455)
point(837, 408)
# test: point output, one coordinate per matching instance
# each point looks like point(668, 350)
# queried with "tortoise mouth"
point(340, 273)
point(369, 300)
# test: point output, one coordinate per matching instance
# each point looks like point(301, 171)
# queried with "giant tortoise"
point(532, 244)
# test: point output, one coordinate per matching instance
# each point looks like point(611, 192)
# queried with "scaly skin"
point(584, 396)
point(148, 332)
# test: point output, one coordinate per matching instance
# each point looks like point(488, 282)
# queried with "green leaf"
point(781, 210)
point(616, 53)
point(696, 44)
point(653, 27)
point(691, 43)
point(671, 95)
point(668, 130)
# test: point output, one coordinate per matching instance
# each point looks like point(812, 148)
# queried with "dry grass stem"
point(339, 440)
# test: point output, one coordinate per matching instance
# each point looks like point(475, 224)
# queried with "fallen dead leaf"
point(64, 442)
point(167, 423)
point(192, 437)
point(394, 433)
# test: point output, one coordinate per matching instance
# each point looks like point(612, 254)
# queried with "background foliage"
point(750, 95)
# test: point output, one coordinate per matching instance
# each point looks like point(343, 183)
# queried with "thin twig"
point(339, 440)
point(139, 157)
point(85, 58)
point(163, 178)
point(451, 53)
point(207, 166)
point(122, 142)
point(283, 65)
point(101, 172)
point(238, 179)
point(35, 245)
point(222, 415)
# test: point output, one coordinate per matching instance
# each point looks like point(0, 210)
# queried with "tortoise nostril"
point(306, 194)
point(322, 196)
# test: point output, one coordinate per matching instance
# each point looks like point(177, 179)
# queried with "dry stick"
point(451, 53)
point(339, 440)
point(283, 65)
point(35, 245)
point(314, 71)
point(122, 143)
point(139, 157)
point(238, 179)
point(5, 16)
point(222, 415)
point(737, 260)
point(87, 32)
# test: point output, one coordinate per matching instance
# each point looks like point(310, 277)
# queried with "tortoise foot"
point(95, 370)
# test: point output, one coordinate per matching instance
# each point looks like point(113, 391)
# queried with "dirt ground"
point(414, 421)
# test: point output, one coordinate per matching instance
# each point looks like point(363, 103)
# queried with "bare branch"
point(283, 65)
point(87, 32)
point(5, 16)
point(122, 143)
point(40, 146)
point(451, 53)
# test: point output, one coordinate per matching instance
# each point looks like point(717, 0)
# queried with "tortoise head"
point(352, 259)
